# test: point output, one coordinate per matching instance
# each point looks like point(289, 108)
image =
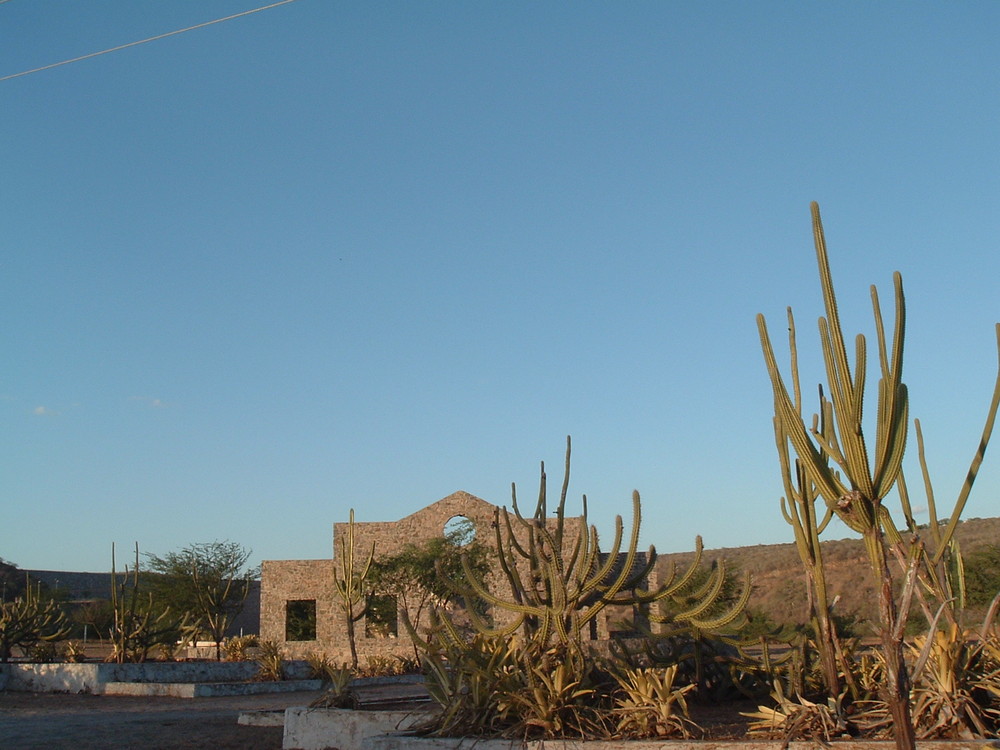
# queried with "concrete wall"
point(91, 678)
point(344, 729)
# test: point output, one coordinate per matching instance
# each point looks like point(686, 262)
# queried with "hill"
point(778, 579)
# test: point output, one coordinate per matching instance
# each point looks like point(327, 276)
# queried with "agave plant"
point(74, 652)
point(270, 662)
point(650, 705)
point(553, 694)
point(466, 678)
point(336, 679)
point(945, 700)
point(798, 717)
point(238, 647)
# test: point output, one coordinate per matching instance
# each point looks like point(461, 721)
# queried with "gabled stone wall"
point(312, 580)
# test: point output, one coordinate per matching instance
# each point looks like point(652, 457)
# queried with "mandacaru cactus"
point(28, 620)
point(349, 583)
point(137, 627)
point(560, 581)
point(799, 508)
point(833, 461)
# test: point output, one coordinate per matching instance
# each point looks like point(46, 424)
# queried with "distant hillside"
point(778, 581)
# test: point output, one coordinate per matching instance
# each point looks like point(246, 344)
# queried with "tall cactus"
point(535, 673)
point(834, 462)
point(349, 584)
point(799, 508)
point(136, 628)
point(560, 581)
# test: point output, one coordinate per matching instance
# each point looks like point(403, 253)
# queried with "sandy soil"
point(52, 721)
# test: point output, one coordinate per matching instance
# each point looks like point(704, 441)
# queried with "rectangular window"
point(300, 620)
point(381, 617)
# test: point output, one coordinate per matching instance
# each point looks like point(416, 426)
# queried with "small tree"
point(418, 575)
point(350, 585)
point(209, 580)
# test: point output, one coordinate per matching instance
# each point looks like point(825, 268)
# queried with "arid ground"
point(52, 721)
point(58, 721)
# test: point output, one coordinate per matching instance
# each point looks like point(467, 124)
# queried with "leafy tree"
point(418, 575)
point(208, 580)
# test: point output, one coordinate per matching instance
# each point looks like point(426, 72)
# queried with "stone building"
point(299, 607)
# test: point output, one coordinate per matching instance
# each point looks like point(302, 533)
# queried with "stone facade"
point(284, 582)
point(294, 586)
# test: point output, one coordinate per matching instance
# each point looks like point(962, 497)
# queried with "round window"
point(459, 531)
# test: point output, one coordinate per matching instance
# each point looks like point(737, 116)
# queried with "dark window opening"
point(381, 617)
point(300, 620)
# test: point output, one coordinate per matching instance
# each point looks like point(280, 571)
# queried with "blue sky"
point(337, 255)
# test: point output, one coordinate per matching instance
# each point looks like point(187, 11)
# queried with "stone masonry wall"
point(390, 537)
point(289, 580)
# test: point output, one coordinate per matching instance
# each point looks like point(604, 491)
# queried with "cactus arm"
point(829, 485)
point(976, 462)
point(579, 545)
point(509, 566)
point(730, 615)
point(561, 513)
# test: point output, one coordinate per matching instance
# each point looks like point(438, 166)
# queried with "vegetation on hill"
point(779, 586)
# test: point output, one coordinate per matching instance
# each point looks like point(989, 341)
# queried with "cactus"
point(560, 581)
point(137, 627)
point(834, 463)
point(799, 508)
point(27, 621)
point(534, 675)
point(350, 586)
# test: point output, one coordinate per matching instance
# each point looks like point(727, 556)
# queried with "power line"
point(143, 41)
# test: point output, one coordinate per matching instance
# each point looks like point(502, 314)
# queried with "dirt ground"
point(58, 721)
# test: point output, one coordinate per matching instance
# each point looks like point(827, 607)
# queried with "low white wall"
point(209, 689)
point(91, 678)
point(54, 678)
point(341, 728)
